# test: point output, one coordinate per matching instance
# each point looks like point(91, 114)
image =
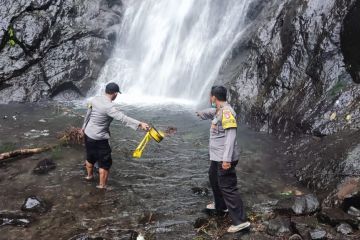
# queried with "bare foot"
point(89, 178)
point(107, 188)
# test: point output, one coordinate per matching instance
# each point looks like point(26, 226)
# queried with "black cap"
point(112, 88)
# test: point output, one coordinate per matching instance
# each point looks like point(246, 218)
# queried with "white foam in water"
point(171, 50)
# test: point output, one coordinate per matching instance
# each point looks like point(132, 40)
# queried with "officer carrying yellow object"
point(224, 156)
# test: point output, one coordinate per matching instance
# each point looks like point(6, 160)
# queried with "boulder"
point(36, 205)
point(317, 234)
point(344, 229)
point(303, 225)
point(44, 166)
point(306, 204)
point(335, 216)
point(298, 205)
point(279, 227)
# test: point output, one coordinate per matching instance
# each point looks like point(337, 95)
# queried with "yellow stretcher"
point(158, 136)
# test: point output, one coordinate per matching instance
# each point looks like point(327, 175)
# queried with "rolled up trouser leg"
point(230, 192)
point(213, 177)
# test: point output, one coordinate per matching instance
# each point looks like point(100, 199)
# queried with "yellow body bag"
point(228, 119)
point(151, 134)
point(139, 150)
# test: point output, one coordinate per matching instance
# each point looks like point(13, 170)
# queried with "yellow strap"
point(138, 151)
point(228, 119)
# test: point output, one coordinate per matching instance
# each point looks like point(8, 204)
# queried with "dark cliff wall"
point(296, 72)
point(54, 48)
point(289, 75)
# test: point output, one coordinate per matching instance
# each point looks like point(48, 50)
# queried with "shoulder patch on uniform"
point(228, 119)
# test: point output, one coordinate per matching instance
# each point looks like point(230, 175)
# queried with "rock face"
point(36, 205)
point(54, 48)
point(294, 71)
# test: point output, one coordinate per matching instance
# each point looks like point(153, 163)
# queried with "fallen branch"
point(71, 135)
point(26, 151)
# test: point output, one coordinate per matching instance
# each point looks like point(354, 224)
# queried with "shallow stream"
point(150, 195)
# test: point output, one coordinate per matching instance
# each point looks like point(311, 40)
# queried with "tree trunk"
point(26, 151)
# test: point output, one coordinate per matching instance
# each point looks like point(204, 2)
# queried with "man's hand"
point(226, 165)
point(82, 131)
point(144, 126)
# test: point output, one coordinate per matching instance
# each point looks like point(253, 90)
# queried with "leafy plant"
point(11, 37)
point(339, 86)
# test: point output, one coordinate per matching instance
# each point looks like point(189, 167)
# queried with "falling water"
point(171, 49)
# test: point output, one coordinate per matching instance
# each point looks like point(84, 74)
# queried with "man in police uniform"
point(224, 156)
point(96, 126)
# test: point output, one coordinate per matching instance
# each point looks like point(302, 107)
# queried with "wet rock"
point(335, 216)
point(35, 204)
point(14, 219)
point(84, 236)
point(354, 212)
point(263, 211)
point(200, 191)
point(344, 228)
point(303, 225)
point(299, 205)
point(278, 227)
point(305, 204)
point(44, 166)
point(295, 237)
point(199, 222)
point(317, 234)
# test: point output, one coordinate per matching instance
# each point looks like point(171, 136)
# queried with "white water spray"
point(171, 50)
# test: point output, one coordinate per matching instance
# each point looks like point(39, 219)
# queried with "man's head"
point(112, 89)
point(218, 94)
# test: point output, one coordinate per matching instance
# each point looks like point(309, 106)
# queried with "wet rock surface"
point(44, 166)
point(318, 234)
point(15, 219)
point(334, 216)
point(54, 49)
point(344, 228)
point(279, 227)
point(35, 205)
point(298, 205)
point(287, 74)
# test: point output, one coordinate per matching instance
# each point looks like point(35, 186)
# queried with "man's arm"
point(115, 113)
point(208, 113)
point(87, 117)
point(230, 138)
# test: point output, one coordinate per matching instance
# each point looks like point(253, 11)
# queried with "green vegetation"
point(339, 86)
point(11, 37)
point(7, 147)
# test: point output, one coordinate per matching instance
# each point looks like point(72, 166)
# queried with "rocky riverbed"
point(160, 196)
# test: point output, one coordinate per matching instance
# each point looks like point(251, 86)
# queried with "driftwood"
point(26, 151)
point(71, 135)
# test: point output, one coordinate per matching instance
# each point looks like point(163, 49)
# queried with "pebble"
point(317, 234)
point(344, 228)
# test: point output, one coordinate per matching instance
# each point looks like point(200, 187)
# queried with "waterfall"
point(172, 50)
